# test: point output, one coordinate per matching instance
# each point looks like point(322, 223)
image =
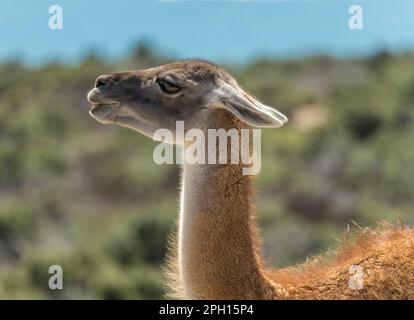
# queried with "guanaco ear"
point(248, 108)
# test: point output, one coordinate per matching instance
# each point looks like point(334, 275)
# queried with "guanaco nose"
point(104, 80)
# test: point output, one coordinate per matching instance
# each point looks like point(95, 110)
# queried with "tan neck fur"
point(217, 247)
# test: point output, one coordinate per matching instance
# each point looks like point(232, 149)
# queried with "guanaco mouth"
point(104, 111)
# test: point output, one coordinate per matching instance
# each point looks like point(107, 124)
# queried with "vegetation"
point(88, 197)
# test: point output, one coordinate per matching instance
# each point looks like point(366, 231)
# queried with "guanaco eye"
point(168, 87)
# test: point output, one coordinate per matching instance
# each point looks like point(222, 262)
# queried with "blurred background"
point(89, 198)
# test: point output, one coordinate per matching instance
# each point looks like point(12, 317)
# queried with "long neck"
point(218, 253)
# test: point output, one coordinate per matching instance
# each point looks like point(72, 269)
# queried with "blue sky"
point(217, 30)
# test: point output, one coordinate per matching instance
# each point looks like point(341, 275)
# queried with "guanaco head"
point(189, 91)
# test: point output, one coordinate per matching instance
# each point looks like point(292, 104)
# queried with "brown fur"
point(386, 256)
